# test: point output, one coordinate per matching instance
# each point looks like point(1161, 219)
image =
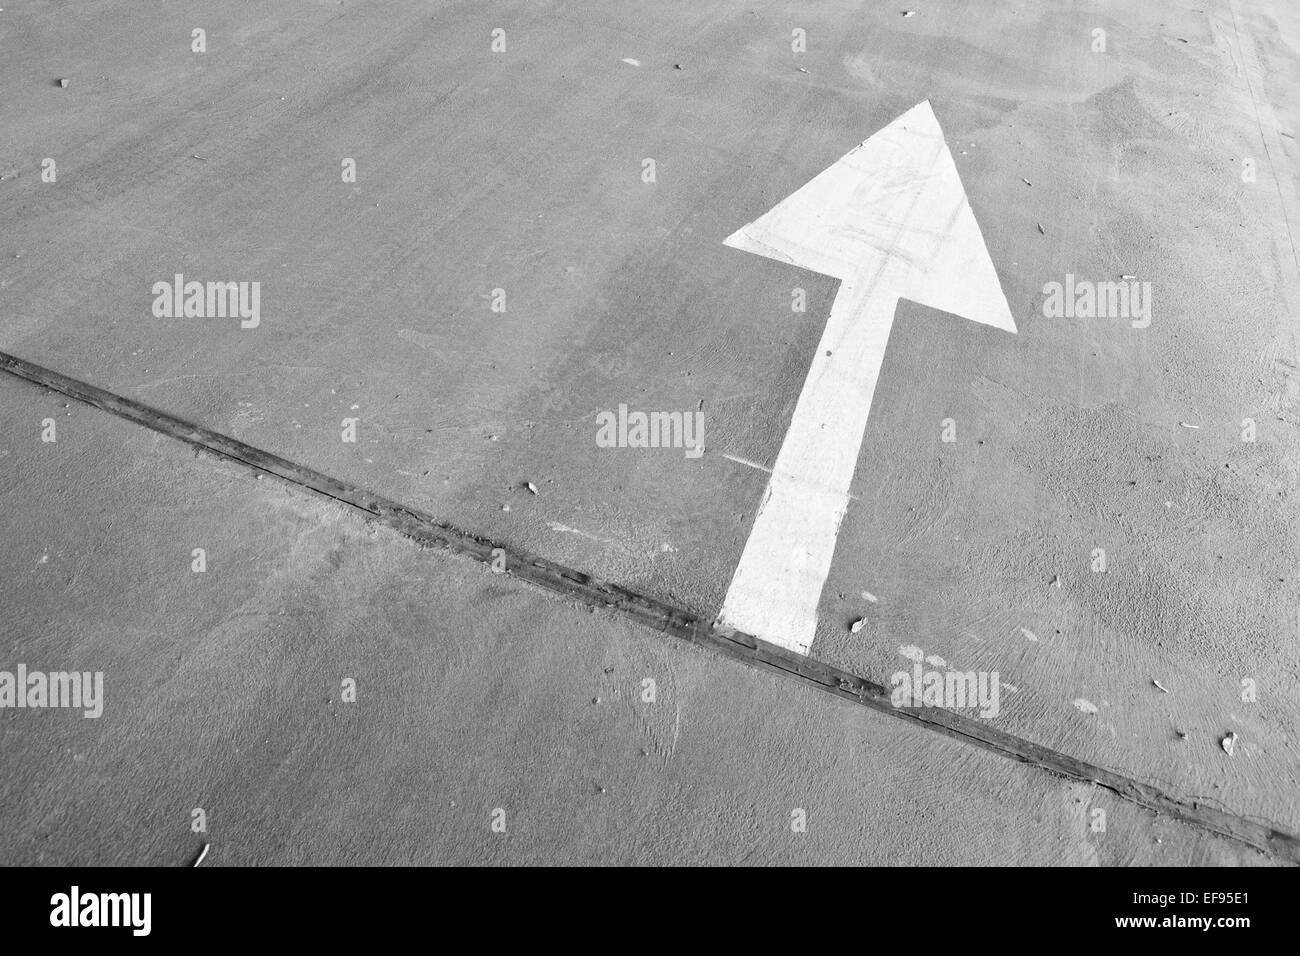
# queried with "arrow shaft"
point(787, 558)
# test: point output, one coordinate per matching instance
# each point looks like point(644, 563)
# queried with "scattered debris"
point(1229, 743)
point(1159, 686)
point(202, 854)
point(857, 625)
point(1087, 706)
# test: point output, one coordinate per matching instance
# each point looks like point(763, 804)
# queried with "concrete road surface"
point(470, 236)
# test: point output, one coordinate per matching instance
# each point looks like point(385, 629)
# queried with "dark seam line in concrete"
point(428, 532)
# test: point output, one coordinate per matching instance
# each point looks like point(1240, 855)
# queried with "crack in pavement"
point(1266, 837)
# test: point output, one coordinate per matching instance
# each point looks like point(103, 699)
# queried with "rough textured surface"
point(522, 171)
point(222, 691)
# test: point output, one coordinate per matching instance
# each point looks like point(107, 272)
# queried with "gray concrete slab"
point(223, 690)
point(521, 170)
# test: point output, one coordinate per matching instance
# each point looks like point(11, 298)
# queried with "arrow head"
point(894, 206)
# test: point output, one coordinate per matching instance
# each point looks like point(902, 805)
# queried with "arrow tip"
point(896, 197)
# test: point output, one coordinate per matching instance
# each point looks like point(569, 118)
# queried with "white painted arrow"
point(890, 220)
